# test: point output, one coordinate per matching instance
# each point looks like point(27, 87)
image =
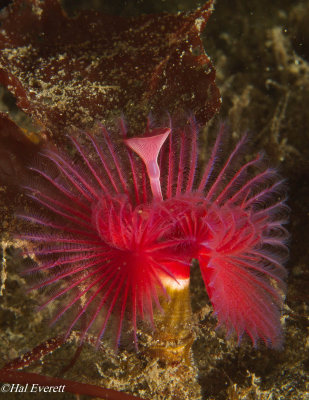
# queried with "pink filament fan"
point(116, 227)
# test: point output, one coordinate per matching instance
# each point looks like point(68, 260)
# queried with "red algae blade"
point(61, 75)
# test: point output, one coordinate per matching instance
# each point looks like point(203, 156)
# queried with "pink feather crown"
point(117, 227)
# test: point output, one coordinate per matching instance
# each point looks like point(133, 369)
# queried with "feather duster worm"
point(119, 227)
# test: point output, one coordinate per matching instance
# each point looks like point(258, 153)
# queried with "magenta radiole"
point(120, 225)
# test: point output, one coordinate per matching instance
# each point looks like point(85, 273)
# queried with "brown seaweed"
point(75, 71)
